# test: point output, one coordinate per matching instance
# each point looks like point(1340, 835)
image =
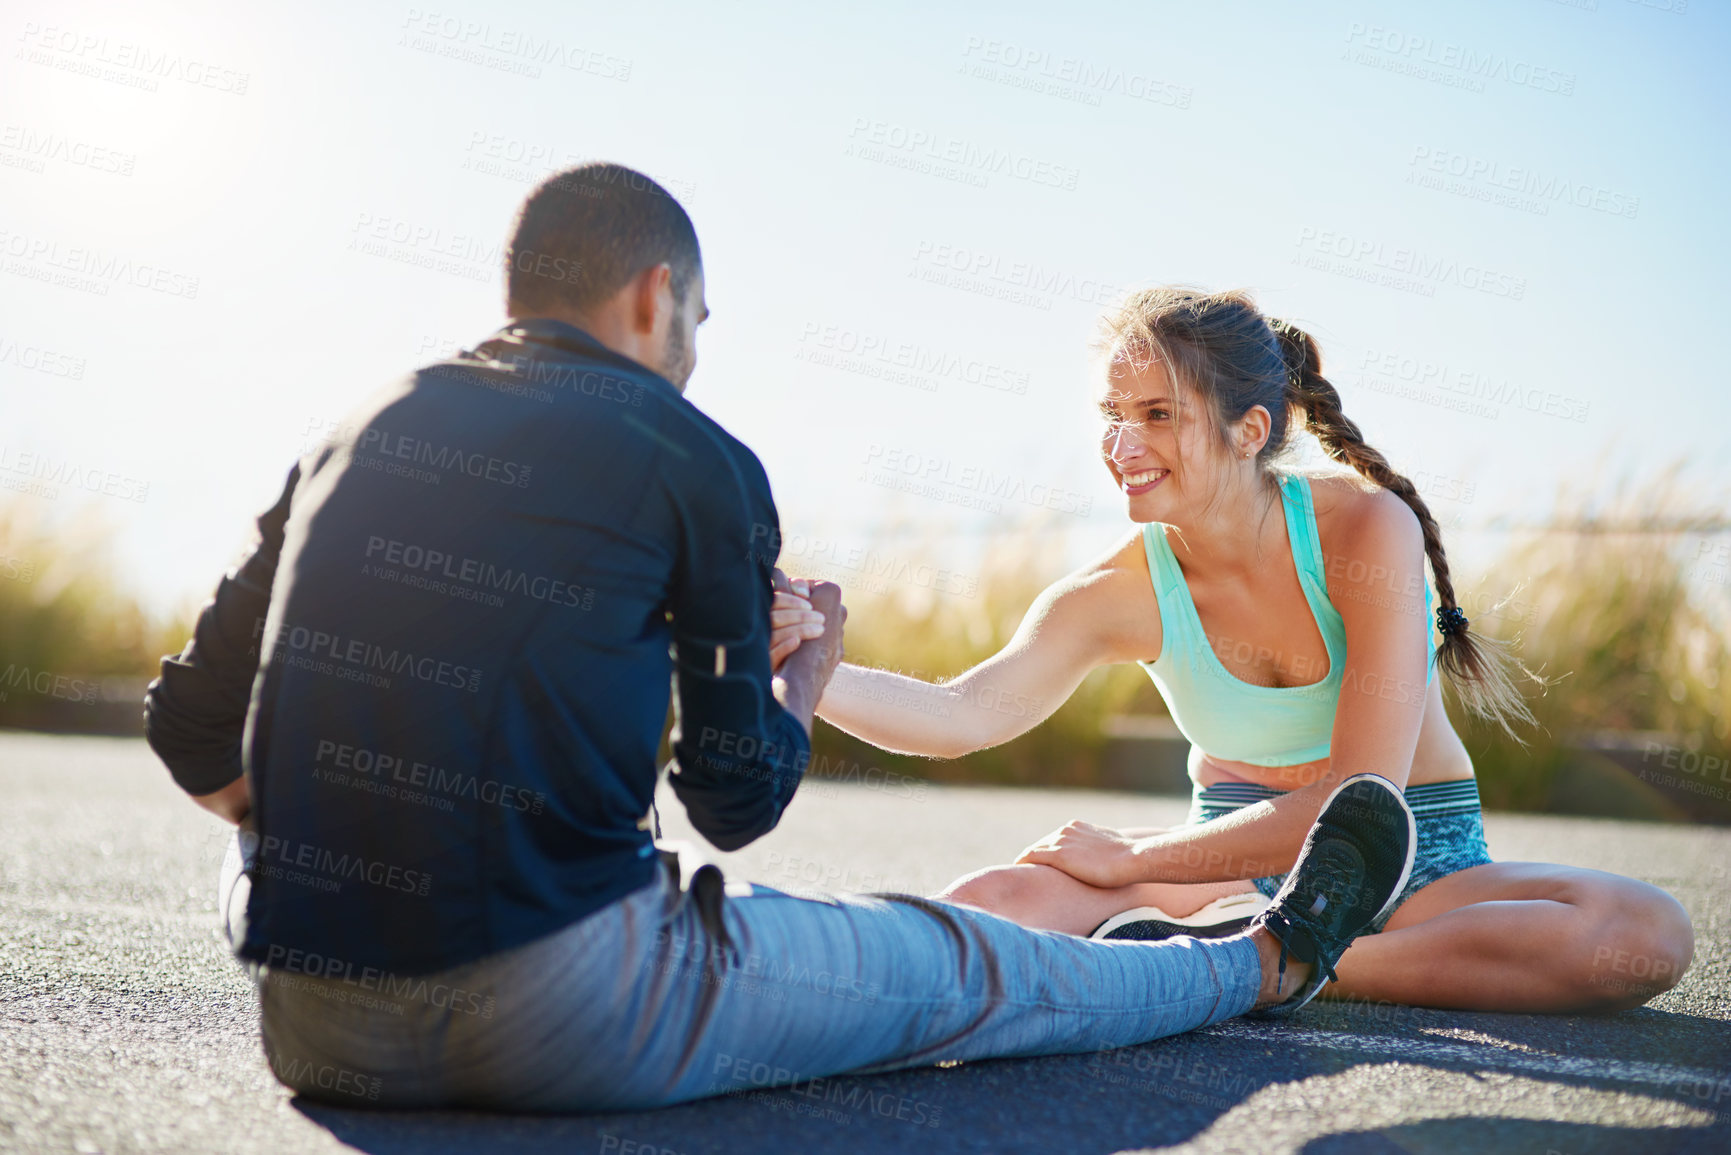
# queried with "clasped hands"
point(800, 613)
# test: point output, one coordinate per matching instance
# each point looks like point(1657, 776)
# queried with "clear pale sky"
point(223, 225)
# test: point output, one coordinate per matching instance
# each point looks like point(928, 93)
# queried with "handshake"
point(806, 618)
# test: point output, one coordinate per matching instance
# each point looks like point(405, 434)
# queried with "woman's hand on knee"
point(1097, 855)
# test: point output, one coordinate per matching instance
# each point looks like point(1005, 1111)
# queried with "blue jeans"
point(674, 994)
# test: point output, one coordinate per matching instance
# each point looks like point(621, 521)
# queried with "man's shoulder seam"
point(730, 448)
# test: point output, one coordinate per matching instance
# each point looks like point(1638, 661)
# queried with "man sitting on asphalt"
point(434, 692)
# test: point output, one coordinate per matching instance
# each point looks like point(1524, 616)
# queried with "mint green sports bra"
point(1223, 715)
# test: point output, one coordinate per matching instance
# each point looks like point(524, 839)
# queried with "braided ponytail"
point(1477, 667)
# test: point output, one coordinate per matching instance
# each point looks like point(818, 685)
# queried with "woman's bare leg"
point(1508, 936)
point(1523, 937)
point(1045, 898)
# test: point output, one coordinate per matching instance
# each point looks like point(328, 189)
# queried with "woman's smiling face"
point(1164, 465)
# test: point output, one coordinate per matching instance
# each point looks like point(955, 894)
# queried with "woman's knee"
point(1639, 944)
point(1003, 890)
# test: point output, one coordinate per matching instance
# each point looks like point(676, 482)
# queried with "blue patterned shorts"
point(1451, 833)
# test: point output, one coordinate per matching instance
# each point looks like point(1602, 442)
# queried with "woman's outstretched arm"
point(1376, 557)
point(1102, 613)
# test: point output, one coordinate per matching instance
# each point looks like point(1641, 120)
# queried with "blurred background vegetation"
point(1624, 606)
point(1620, 600)
point(76, 647)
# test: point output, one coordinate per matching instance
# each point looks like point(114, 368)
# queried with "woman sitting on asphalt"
point(1286, 620)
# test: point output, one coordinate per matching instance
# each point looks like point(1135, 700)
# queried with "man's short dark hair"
point(584, 233)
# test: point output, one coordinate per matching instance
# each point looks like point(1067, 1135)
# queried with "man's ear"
point(653, 295)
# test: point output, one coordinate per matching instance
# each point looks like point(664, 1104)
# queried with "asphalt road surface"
point(126, 1026)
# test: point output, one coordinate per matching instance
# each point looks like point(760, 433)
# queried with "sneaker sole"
point(1172, 930)
point(1411, 836)
point(1218, 913)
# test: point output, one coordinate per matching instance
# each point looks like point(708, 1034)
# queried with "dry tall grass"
point(1616, 609)
point(67, 619)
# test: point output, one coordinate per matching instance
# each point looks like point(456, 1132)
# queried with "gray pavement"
point(125, 1026)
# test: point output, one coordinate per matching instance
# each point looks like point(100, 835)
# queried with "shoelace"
point(1294, 930)
point(1287, 931)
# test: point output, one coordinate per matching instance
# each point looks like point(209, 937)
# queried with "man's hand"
point(792, 619)
point(232, 803)
point(803, 675)
point(825, 652)
point(1097, 855)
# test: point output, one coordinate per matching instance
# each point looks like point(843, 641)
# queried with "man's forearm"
point(195, 711)
point(800, 684)
point(737, 758)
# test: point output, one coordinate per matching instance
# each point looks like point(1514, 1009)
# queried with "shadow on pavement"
point(1150, 1096)
point(997, 1106)
point(1542, 1137)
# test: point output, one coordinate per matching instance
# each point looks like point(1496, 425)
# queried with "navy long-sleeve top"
point(445, 667)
